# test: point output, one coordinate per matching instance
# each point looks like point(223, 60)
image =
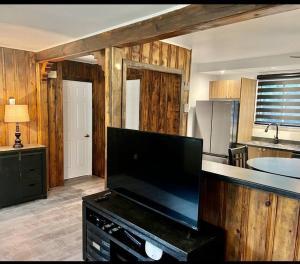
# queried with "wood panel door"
point(77, 128)
point(160, 98)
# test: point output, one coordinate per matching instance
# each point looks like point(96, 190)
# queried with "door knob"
point(87, 135)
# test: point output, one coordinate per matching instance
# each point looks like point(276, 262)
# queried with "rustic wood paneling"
point(136, 52)
point(42, 114)
point(53, 171)
point(98, 121)
point(145, 53)
point(59, 124)
point(286, 226)
point(259, 225)
point(159, 100)
point(18, 79)
point(233, 224)
point(260, 206)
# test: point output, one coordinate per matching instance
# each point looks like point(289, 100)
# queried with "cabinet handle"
point(32, 184)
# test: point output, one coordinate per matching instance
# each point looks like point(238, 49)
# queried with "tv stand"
point(116, 228)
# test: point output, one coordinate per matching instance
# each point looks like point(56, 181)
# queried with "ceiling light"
point(222, 72)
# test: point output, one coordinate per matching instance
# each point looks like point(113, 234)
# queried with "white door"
point(77, 108)
point(132, 115)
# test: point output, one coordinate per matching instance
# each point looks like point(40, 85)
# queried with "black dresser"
point(116, 229)
point(22, 174)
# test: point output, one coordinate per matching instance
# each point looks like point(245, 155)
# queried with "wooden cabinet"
point(22, 175)
point(256, 152)
point(225, 89)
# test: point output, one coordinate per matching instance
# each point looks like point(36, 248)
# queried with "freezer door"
point(202, 123)
point(221, 127)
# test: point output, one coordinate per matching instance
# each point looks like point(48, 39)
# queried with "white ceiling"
point(262, 42)
point(38, 27)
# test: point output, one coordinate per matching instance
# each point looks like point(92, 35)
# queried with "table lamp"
point(16, 114)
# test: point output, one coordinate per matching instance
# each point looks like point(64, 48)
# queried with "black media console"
point(116, 229)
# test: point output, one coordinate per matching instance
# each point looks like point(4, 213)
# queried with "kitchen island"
point(259, 211)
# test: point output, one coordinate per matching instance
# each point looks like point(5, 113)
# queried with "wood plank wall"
point(159, 100)
point(18, 79)
point(168, 55)
point(259, 225)
point(156, 53)
point(76, 71)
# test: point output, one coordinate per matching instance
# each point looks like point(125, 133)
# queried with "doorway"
point(77, 127)
point(151, 98)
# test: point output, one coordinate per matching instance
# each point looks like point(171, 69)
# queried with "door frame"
point(145, 66)
point(89, 73)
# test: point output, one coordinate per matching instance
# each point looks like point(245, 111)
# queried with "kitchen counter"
point(254, 179)
point(268, 143)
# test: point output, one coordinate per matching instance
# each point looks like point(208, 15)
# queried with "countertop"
point(255, 179)
point(26, 147)
point(268, 143)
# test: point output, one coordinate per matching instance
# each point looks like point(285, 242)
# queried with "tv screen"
point(156, 170)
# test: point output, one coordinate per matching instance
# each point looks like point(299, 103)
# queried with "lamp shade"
point(16, 114)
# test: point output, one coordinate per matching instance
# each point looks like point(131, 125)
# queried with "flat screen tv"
point(159, 171)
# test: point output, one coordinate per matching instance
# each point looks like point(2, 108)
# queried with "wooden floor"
point(47, 229)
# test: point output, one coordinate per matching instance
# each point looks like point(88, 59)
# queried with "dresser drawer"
point(31, 189)
point(34, 176)
point(31, 161)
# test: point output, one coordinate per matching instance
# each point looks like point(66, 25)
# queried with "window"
point(278, 99)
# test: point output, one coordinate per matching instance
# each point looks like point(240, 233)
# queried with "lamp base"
point(18, 141)
point(18, 145)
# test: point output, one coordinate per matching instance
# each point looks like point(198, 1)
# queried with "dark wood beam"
point(182, 21)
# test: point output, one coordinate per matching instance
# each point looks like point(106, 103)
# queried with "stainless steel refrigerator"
point(217, 123)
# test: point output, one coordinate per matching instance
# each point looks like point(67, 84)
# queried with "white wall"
point(132, 116)
point(199, 90)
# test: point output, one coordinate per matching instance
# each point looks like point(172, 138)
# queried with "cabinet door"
point(233, 89)
point(32, 174)
point(217, 89)
point(225, 89)
point(9, 179)
point(256, 152)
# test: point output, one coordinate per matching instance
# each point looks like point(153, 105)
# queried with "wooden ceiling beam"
point(182, 21)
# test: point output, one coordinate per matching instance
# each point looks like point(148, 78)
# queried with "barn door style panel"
point(160, 102)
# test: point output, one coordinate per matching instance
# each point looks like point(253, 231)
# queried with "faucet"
point(276, 139)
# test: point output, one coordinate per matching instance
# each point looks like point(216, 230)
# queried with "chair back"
point(238, 156)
